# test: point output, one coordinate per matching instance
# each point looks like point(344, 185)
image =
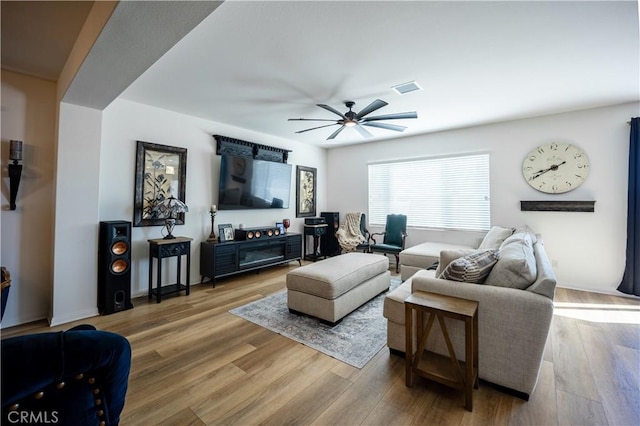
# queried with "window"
point(444, 192)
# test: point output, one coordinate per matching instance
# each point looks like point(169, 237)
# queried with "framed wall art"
point(305, 191)
point(161, 172)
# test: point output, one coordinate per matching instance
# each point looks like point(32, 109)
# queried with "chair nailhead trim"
point(102, 423)
point(92, 380)
point(39, 395)
point(98, 401)
point(60, 385)
point(96, 391)
point(79, 376)
point(14, 407)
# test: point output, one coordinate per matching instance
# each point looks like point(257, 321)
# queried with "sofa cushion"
point(528, 230)
point(448, 256)
point(517, 265)
point(473, 268)
point(495, 237)
point(545, 283)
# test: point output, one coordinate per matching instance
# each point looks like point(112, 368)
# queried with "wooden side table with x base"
point(442, 369)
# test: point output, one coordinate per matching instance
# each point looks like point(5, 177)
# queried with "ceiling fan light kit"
point(358, 120)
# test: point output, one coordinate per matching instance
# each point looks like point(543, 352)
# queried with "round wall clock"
point(555, 167)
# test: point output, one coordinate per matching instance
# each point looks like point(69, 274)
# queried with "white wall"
point(587, 249)
point(28, 114)
point(75, 292)
point(125, 122)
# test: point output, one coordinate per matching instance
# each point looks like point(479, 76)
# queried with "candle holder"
point(212, 236)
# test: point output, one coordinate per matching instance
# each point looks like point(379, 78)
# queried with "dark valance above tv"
point(240, 148)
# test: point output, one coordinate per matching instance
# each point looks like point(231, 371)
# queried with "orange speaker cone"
point(119, 266)
point(119, 247)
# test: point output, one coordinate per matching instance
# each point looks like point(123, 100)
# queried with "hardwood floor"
point(194, 363)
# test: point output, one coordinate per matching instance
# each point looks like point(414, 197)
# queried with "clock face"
point(555, 167)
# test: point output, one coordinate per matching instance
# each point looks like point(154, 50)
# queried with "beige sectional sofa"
point(515, 310)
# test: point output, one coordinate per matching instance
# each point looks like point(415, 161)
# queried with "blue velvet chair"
point(74, 377)
point(394, 236)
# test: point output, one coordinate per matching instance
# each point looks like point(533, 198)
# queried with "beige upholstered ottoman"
point(334, 287)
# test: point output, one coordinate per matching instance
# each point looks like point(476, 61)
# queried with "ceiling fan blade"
point(314, 128)
point(333, 110)
point(385, 126)
point(363, 132)
point(377, 104)
point(398, 115)
point(311, 119)
point(334, 134)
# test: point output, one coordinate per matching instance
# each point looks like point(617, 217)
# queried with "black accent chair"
point(395, 233)
point(74, 377)
point(364, 247)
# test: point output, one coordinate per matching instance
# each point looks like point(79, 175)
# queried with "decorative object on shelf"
point(555, 167)
point(212, 213)
point(305, 191)
point(286, 223)
point(231, 146)
point(557, 206)
point(226, 232)
point(169, 209)
point(15, 171)
point(280, 226)
point(161, 171)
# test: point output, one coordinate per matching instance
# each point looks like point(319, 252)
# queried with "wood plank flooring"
point(194, 363)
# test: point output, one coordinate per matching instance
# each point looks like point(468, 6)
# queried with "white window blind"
point(444, 192)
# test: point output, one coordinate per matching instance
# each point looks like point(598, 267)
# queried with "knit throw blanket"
point(349, 235)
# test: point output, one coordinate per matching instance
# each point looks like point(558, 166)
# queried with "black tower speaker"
point(114, 267)
point(329, 245)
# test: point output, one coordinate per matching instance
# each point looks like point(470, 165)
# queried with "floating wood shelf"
point(557, 206)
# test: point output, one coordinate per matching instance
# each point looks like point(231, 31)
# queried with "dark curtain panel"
point(631, 279)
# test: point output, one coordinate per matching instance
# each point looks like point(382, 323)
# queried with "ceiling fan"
point(358, 120)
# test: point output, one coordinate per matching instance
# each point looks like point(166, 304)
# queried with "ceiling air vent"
point(404, 88)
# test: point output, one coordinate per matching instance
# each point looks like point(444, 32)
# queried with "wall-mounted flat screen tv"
point(246, 183)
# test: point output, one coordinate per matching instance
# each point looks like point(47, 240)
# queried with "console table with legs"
point(222, 259)
point(315, 231)
point(161, 249)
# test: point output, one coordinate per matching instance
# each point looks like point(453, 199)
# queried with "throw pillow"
point(517, 265)
point(495, 237)
point(448, 256)
point(473, 268)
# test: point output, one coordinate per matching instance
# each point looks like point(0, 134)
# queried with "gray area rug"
point(355, 340)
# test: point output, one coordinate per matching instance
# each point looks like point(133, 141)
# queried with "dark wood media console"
point(218, 260)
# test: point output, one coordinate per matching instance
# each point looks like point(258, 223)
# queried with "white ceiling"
point(254, 64)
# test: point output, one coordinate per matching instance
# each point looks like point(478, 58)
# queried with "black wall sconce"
point(15, 170)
